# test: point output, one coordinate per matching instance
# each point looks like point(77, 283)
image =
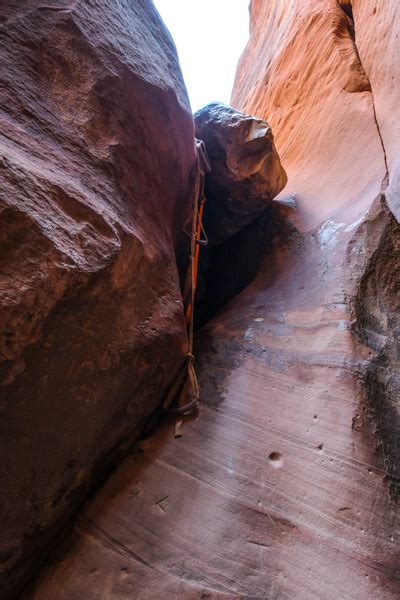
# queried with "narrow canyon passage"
point(270, 492)
point(286, 484)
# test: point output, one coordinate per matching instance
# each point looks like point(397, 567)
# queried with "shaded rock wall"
point(227, 268)
point(97, 160)
point(326, 75)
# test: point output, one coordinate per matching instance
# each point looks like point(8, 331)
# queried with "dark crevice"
point(347, 8)
point(226, 269)
point(385, 180)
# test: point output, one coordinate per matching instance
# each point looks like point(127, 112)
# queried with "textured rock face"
point(331, 91)
point(376, 311)
point(96, 167)
point(246, 173)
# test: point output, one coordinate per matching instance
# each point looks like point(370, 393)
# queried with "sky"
point(210, 36)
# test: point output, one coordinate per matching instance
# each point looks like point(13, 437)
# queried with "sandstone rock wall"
point(327, 75)
point(302, 69)
point(377, 38)
point(97, 158)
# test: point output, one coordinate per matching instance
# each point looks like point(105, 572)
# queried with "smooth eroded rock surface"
point(327, 76)
point(246, 173)
point(97, 155)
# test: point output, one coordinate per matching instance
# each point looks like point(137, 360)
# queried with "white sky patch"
point(210, 36)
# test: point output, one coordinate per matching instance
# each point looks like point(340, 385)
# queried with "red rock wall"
point(96, 163)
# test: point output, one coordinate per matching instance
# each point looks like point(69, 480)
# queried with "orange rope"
point(196, 259)
point(187, 371)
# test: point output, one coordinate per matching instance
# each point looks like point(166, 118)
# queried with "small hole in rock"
point(275, 458)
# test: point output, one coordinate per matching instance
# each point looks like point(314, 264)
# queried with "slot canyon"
point(284, 482)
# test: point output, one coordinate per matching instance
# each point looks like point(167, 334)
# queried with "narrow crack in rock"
point(348, 11)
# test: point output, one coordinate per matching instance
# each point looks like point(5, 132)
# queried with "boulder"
point(97, 168)
point(246, 173)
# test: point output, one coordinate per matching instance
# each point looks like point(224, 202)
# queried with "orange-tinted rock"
point(377, 27)
point(246, 173)
point(96, 167)
point(302, 71)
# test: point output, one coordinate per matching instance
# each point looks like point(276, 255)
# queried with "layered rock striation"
point(330, 88)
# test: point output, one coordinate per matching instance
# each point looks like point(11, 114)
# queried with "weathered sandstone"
point(97, 156)
point(246, 173)
point(245, 176)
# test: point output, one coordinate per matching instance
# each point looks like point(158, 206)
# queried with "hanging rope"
point(187, 376)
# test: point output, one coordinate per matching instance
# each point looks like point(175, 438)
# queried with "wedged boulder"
point(97, 165)
point(246, 173)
